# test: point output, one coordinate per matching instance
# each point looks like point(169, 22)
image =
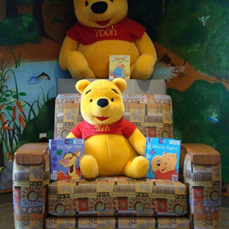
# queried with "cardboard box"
point(119, 66)
point(64, 158)
point(163, 155)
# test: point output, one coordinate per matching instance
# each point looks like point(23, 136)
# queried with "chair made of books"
point(118, 202)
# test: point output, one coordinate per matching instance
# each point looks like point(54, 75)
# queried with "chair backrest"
point(152, 86)
point(151, 113)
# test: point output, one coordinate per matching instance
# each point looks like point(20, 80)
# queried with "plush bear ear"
point(81, 85)
point(120, 83)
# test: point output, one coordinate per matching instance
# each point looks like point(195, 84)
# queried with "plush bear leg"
point(137, 168)
point(78, 66)
point(89, 167)
point(143, 67)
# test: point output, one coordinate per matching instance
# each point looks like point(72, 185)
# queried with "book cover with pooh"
point(119, 66)
point(64, 158)
point(163, 155)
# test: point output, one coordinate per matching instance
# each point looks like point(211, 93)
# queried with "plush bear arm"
point(67, 46)
point(145, 45)
point(144, 65)
point(138, 141)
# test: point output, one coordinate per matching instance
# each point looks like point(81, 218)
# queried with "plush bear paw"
point(143, 67)
point(138, 168)
point(89, 167)
point(78, 66)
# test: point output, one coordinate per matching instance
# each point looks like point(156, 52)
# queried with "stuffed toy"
point(103, 29)
point(113, 146)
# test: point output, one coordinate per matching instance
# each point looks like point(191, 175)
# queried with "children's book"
point(64, 158)
point(163, 155)
point(119, 66)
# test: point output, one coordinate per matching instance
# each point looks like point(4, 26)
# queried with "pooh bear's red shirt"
point(126, 30)
point(85, 129)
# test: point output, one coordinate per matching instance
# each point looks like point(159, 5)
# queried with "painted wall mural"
point(192, 42)
point(196, 35)
point(30, 39)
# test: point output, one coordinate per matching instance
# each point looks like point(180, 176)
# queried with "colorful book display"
point(119, 66)
point(164, 157)
point(64, 158)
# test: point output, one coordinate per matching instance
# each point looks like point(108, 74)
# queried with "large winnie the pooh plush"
point(113, 146)
point(103, 28)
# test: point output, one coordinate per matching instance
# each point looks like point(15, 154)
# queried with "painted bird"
point(203, 19)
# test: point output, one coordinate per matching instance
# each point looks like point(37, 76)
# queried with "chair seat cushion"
point(117, 196)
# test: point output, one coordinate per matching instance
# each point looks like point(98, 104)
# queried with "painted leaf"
point(22, 94)
point(9, 108)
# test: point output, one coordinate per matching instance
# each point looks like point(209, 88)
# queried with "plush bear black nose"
point(99, 7)
point(102, 102)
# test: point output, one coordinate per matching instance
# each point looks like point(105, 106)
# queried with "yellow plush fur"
point(92, 60)
point(109, 154)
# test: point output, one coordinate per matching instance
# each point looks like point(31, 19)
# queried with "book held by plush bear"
point(64, 158)
point(119, 66)
point(163, 155)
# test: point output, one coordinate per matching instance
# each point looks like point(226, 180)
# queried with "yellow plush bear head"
point(100, 14)
point(101, 101)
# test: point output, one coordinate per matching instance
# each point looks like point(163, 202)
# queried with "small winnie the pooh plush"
point(113, 146)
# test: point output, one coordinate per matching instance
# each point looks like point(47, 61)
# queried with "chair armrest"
point(31, 153)
point(201, 154)
point(200, 170)
point(34, 157)
point(197, 161)
point(30, 184)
